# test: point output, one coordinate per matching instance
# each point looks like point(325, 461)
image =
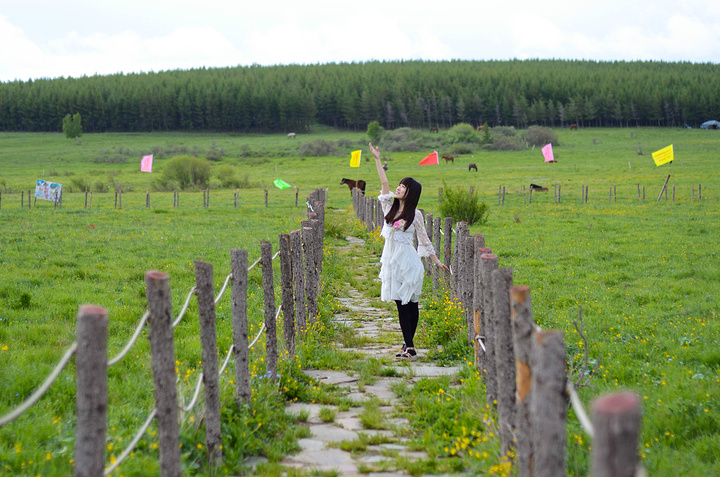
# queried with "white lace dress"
point(401, 270)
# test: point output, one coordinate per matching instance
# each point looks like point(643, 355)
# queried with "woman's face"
point(401, 191)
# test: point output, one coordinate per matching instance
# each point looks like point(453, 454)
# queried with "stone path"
point(317, 454)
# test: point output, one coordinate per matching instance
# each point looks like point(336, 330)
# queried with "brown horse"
point(434, 129)
point(449, 159)
point(360, 184)
point(471, 167)
point(573, 127)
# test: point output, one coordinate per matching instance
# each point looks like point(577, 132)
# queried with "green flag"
point(281, 184)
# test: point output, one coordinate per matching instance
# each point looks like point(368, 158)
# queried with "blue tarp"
point(710, 125)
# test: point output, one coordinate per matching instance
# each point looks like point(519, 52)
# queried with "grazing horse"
point(291, 136)
point(573, 127)
point(480, 128)
point(538, 188)
point(471, 167)
point(449, 159)
point(360, 184)
point(434, 129)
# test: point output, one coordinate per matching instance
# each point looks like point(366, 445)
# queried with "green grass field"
point(645, 273)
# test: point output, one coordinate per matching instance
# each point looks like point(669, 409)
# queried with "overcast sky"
point(51, 38)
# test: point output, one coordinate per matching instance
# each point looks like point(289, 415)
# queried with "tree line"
point(417, 94)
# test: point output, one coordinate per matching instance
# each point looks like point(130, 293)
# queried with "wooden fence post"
point(429, 231)
point(522, 329)
point(205, 292)
point(162, 350)
point(288, 307)
point(616, 425)
point(308, 234)
point(298, 280)
point(489, 262)
point(22, 199)
point(380, 216)
point(239, 268)
point(436, 245)
point(266, 197)
point(478, 243)
point(147, 199)
point(447, 257)
point(297, 192)
point(502, 280)
point(547, 412)
point(481, 329)
point(120, 198)
point(468, 286)
point(460, 233)
point(269, 296)
point(92, 391)
point(90, 205)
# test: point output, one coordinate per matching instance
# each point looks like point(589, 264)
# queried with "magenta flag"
point(146, 164)
point(547, 152)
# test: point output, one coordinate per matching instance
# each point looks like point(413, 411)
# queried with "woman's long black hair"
point(412, 197)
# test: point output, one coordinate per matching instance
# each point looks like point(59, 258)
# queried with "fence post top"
point(484, 250)
point(93, 310)
point(156, 275)
point(487, 256)
point(617, 403)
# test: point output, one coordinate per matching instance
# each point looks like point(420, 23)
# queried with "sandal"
point(402, 351)
point(408, 353)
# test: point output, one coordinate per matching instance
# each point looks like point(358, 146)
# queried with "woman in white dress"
point(401, 271)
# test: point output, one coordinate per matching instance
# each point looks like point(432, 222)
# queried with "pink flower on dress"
point(399, 223)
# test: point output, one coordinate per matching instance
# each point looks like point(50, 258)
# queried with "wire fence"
point(301, 263)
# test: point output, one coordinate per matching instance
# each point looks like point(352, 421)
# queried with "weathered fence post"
point(22, 199)
point(208, 338)
point(489, 262)
point(147, 199)
point(162, 350)
point(478, 243)
point(481, 328)
point(311, 275)
point(297, 192)
point(522, 329)
point(699, 192)
point(447, 257)
point(92, 391)
point(86, 194)
point(90, 205)
point(266, 197)
point(119, 198)
point(288, 307)
point(502, 280)
point(436, 246)
point(460, 233)
point(467, 290)
point(269, 296)
point(616, 426)
point(429, 232)
point(239, 269)
point(548, 404)
point(298, 279)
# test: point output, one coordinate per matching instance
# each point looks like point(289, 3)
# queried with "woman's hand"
point(375, 152)
point(437, 262)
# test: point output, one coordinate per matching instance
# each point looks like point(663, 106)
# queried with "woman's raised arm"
point(385, 187)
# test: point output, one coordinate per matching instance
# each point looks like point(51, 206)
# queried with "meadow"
point(644, 272)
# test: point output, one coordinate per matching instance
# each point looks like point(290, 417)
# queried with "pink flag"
point(146, 164)
point(547, 152)
point(430, 159)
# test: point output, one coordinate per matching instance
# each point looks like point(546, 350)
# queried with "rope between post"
point(34, 397)
point(132, 444)
point(132, 341)
point(579, 410)
point(227, 360)
point(193, 401)
point(224, 287)
point(185, 307)
point(480, 339)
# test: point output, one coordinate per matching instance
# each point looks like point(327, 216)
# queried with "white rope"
point(579, 410)
point(263, 328)
point(34, 397)
point(193, 401)
point(185, 307)
point(227, 360)
point(253, 265)
point(132, 444)
point(307, 202)
point(222, 291)
point(132, 341)
point(479, 339)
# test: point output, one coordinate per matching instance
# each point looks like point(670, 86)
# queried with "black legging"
point(409, 316)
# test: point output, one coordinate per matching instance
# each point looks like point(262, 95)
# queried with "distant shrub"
point(540, 136)
point(463, 205)
point(461, 148)
point(100, 186)
point(318, 147)
point(462, 133)
point(215, 154)
point(246, 151)
point(404, 139)
point(184, 172)
point(344, 143)
point(374, 131)
point(503, 131)
point(80, 184)
point(506, 143)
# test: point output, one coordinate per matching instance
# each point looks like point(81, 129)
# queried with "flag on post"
point(548, 153)
point(281, 184)
point(663, 156)
point(355, 158)
point(146, 163)
point(430, 159)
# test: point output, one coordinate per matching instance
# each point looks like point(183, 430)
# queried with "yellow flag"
point(355, 158)
point(663, 156)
